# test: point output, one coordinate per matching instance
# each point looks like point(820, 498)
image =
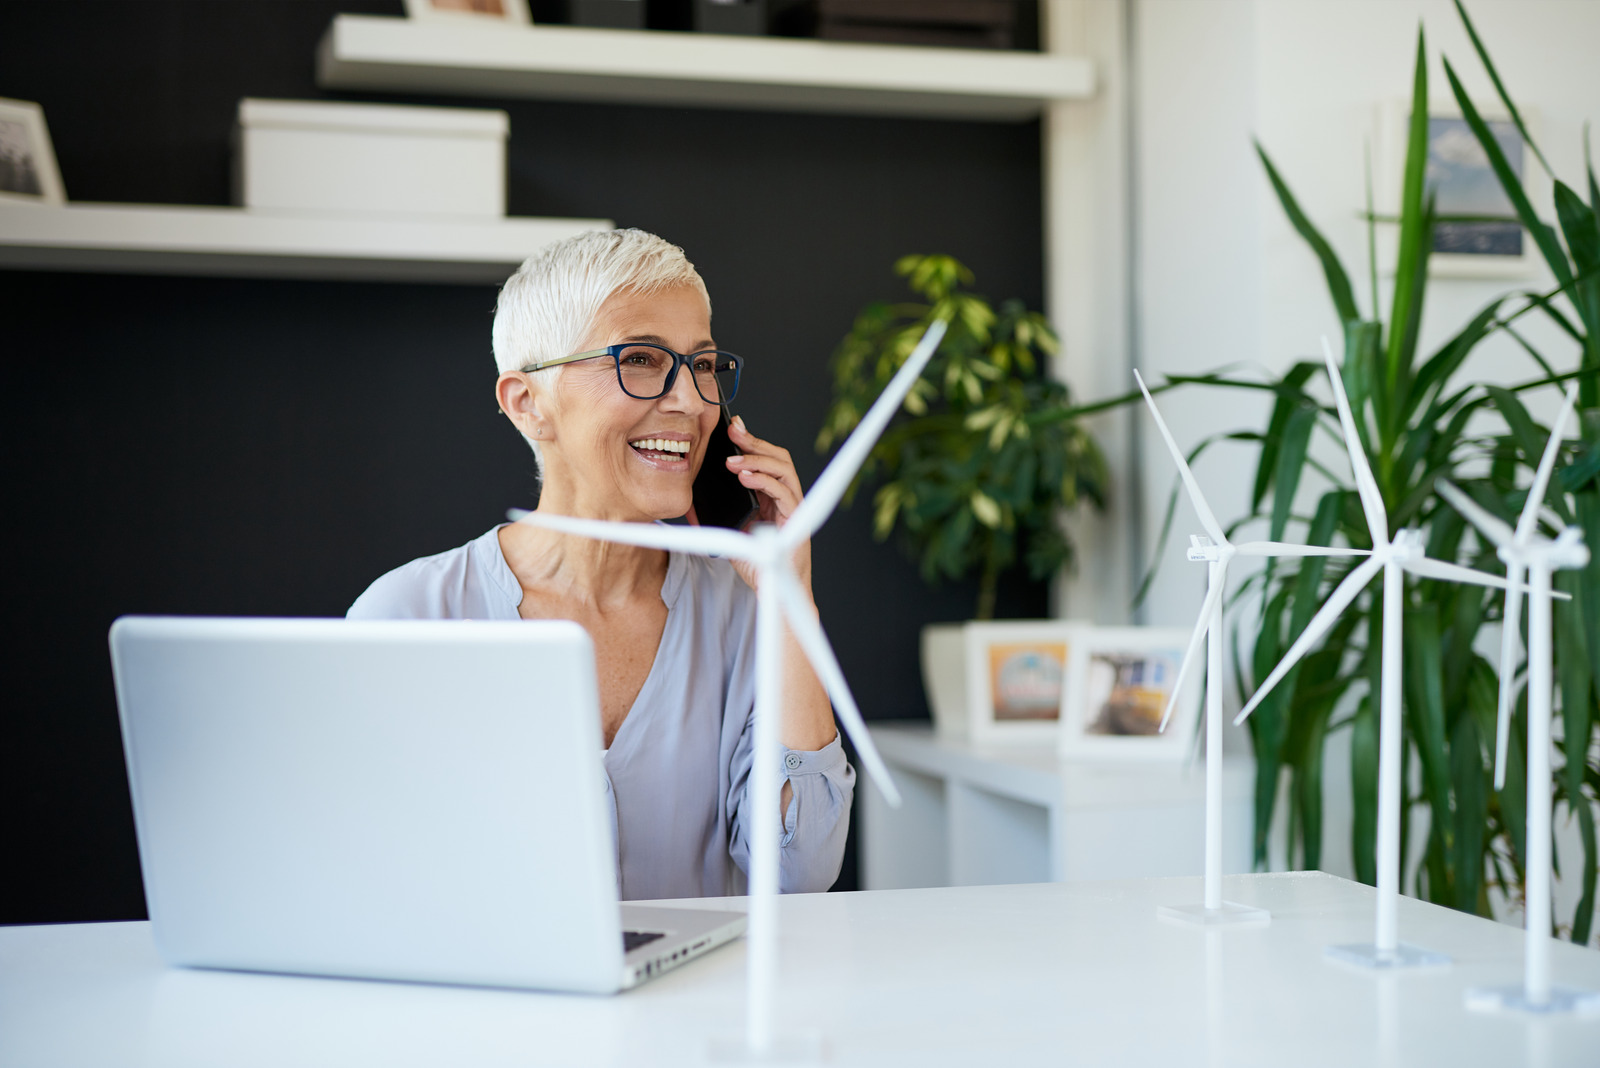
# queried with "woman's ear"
point(518, 398)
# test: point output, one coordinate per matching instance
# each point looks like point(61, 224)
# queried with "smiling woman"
point(609, 370)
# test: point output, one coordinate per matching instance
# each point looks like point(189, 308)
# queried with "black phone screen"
point(720, 499)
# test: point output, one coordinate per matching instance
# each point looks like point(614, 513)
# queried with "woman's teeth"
point(676, 448)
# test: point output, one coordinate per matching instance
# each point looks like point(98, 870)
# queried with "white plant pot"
point(944, 677)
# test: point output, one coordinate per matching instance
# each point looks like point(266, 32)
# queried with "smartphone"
point(720, 499)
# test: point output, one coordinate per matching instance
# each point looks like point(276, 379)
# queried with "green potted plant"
point(976, 470)
point(1420, 421)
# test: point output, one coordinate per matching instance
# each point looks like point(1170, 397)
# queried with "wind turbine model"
point(1526, 549)
point(1217, 552)
point(1393, 556)
point(778, 597)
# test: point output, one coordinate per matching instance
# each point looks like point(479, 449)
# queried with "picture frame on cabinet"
point(1492, 245)
point(1018, 677)
point(510, 11)
point(28, 171)
point(1121, 681)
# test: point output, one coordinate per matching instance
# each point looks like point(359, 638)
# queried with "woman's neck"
point(600, 574)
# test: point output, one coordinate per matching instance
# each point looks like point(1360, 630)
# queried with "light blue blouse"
point(678, 768)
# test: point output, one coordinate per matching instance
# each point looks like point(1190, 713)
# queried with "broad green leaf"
point(1291, 461)
point(985, 509)
point(1579, 226)
point(1574, 679)
point(1438, 369)
point(1364, 790)
point(1543, 235)
point(1290, 399)
point(1425, 705)
point(1584, 916)
point(1338, 282)
point(1472, 812)
point(1416, 231)
point(1499, 87)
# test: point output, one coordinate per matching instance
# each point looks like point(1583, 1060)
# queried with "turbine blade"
point(1510, 638)
point(1207, 518)
point(1320, 623)
point(1366, 485)
point(814, 643)
point(829, 488)
point(1445, 571)
point(1202, 626)
point(1490, 525)
point(1541, 479)
point(703, 541)
point(1276, 548)
point(1428, 567)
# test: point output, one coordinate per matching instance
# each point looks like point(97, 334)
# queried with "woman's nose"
point(683, 396)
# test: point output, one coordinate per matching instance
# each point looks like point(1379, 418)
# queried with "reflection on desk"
point(1065, 973)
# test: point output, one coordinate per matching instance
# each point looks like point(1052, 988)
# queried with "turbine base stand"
point(1403, 956)
point(793, 1049)
point(1563, 1001)
point(1229, 914)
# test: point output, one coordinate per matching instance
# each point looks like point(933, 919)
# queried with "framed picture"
point(28, 173)
point(514, 11)
point(1122, 678)
point(1491, 244)
point(1017, 677)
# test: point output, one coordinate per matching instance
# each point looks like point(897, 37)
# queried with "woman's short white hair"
point(547, 308)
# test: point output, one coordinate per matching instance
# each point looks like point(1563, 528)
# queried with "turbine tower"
point(1394, 557)
point(1216, 551)
point(1525, 550)
point(778, 598)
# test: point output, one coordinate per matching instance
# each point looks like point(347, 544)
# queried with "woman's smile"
point(664, 451)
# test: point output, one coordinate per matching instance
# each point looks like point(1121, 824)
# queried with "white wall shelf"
point(151, 239)
point(370, 52)
point(979, 814)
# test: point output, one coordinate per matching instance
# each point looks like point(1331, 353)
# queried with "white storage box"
point(303, 155)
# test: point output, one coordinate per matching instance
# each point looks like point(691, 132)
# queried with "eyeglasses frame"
point(679, 359)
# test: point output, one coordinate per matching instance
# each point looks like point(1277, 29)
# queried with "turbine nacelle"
point(1203, 550)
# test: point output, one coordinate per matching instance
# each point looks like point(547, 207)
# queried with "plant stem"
point(988, 584)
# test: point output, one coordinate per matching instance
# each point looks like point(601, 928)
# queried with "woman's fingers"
point(769, 466)
point(765, 468)
point(783, 499)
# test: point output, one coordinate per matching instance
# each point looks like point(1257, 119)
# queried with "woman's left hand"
point(768, 471)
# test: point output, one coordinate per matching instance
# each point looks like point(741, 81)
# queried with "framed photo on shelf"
point(1018, 677)
point(1122, 678)
point(512, 11)
point(1485, 240)
point(28, 172)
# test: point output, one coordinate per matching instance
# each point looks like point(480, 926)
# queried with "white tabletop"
point(1052, 973)
point(1036, 772)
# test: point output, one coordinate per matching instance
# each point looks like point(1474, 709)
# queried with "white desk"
point(1057, 974)
point(979, 814)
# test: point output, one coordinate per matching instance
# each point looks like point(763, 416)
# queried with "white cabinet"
point(977, 814)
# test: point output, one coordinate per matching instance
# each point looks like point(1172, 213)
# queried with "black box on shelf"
point(994, 24)
point(744, 17)
point(610, 14)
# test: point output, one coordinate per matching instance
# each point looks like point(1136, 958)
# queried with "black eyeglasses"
point(649, 371)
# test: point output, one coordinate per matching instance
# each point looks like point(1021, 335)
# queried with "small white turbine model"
point(1525, 549)
point(778, 597)
point(1394, 557)
point(1216, 551)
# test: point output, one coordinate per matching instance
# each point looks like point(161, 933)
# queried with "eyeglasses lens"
point(644, 370)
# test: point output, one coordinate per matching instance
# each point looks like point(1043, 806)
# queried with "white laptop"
point(385, 800)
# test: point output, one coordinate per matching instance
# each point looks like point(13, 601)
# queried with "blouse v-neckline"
point(671, 588)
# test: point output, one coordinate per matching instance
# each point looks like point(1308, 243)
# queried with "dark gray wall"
point(269, 447)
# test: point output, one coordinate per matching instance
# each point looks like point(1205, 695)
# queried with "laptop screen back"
point(402, 800)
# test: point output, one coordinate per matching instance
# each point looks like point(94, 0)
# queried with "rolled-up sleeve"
point(816, 822)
